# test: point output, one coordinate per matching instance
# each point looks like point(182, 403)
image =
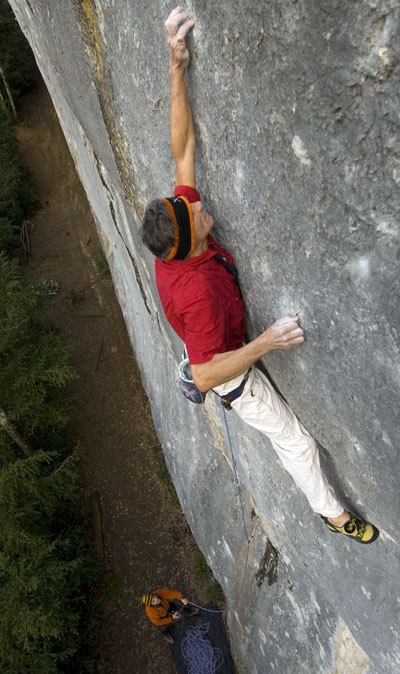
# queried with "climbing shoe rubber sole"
point(355, 528)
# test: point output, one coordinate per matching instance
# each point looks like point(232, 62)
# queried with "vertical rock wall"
point(296, 108)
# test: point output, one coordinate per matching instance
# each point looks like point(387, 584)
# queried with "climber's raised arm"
point(183, 142)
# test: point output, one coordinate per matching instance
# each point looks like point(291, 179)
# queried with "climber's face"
point(203, 223)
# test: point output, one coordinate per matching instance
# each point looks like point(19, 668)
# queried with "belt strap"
point(228, 398)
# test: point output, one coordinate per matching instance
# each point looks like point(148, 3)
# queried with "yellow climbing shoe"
point(355, 528)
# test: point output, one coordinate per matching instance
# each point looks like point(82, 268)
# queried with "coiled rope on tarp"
point(198, 652)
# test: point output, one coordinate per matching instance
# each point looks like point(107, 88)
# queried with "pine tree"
point(16, 68)
point(16, 194)
point(34, 363)
point(47, 565)
point(16, 59)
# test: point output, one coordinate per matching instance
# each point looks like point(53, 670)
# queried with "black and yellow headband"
point(146, 598)
point(181, 214)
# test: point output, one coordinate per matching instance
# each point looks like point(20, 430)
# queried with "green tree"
point(34, 363)
point(49, 572)
point(11, 210)
point(16, 59)
point(16, 194)
point(16, 68)
point(47, 566)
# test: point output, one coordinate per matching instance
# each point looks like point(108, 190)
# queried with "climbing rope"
point(198, 652)
point(249, 539)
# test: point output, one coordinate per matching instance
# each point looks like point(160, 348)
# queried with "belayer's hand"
point(177, 26)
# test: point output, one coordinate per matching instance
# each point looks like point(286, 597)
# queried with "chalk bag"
point(187, 385)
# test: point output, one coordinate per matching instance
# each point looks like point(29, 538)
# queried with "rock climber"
point(196, 281)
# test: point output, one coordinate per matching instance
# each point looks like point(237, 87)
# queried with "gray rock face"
point(296, 107)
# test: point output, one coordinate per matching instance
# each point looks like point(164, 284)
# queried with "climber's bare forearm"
point(183, 141)
point(283, 334)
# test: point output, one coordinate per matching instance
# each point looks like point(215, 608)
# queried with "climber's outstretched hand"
point(177, 26)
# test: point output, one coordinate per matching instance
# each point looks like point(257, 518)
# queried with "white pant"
point(261, 407)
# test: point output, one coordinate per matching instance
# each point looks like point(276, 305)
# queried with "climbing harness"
point(228, 398)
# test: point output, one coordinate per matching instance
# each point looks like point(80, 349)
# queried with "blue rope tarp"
point(201, 645)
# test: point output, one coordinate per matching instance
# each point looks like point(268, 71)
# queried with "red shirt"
point(202, 303)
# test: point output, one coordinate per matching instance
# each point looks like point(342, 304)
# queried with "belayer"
point(165, 607)
point(196, 281)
